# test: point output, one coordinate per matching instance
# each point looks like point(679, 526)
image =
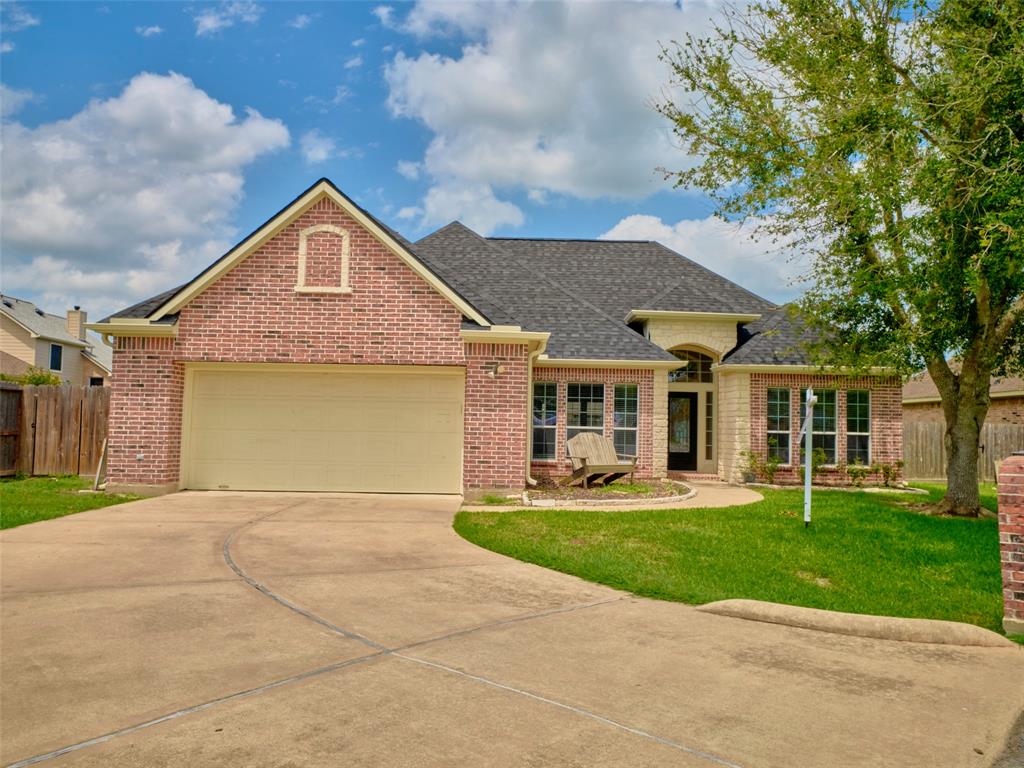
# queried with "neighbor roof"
point(39, 323)
point(921, 387)
point(777, 338)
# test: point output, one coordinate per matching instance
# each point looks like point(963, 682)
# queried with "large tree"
point(884, 140)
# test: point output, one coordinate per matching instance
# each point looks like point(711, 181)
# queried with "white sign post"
point(805, 432)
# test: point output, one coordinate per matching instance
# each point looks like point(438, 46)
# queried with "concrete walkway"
point(272, 629)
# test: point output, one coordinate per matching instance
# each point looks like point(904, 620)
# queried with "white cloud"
point(409, 212)
point(211, 20)
point(12, 100)
point(408, 169)
point(14, 18)
point(474, 204)
point(6, 46)
point(358, 42)
point(301, 21)
point(130, 195)
point(385, 15)
point(554, 97)
point(315, 147)
point(149, 31)
point(766, 268)
point(354, 63)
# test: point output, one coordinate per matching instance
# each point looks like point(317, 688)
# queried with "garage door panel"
point(297, 430)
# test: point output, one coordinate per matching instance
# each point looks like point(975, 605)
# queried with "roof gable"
point(165, 305)
point(38, 323)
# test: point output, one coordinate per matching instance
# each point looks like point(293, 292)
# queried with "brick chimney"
point(76, 322)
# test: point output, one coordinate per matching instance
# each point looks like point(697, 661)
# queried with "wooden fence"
point(924, 451)
point(52, 430)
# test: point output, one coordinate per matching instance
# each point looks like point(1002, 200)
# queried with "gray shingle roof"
point(101, 354)
point(777, 338)
point(38, 322)
point(578, 329)
point(622, 275)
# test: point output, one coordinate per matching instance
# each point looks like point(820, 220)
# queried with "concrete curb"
point(859, 625)
point(596, 505)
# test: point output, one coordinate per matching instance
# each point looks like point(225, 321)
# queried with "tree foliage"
point(883, 139)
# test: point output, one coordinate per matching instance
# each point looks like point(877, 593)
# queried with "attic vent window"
point(8, 304)
point(40, 312)
point(323, 264)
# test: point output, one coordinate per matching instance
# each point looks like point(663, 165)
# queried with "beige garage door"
point(375, 429)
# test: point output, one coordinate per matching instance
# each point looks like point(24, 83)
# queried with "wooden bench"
point(594, 460)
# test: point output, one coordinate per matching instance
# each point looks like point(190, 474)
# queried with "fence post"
point(1011, 541)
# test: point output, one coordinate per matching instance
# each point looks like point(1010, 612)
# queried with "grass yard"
point(864, 553)
point(31, 499)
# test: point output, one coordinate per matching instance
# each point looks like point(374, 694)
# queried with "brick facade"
point(1011, 542)
point(495, 416)
point(643, 378)
point(1002, 410)
point(886, 420)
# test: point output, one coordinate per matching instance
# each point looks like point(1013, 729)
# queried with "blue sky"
point(143, 139)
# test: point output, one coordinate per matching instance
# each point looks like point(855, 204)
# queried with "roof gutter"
point(507, 334)
point(552, 362)
point(132, 326)
point(794, 368)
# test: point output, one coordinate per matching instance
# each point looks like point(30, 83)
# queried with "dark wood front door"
point(682, 430)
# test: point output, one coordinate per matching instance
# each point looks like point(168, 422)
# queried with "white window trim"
point(50, 361)
point(544, 459)
point(304, 235)
point(635, 430)
point(864, 434)
point(604, 405)
point(835, 421)
point(789, 421)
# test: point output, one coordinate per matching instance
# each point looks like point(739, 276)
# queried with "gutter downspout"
point(530, 358)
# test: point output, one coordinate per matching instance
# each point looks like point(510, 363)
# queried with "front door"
point(682, 431)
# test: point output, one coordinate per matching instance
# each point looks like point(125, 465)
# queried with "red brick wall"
point(1003, 410)
point(886, 419)
point(495, 416)
point(643, 378)
point(1011, 542)
point(145, 412)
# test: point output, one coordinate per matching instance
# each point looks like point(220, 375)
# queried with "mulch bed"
point(620, 489)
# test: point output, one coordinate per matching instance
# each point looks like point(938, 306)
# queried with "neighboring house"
point(31, 337)
point(326, 352)
point(921, 401)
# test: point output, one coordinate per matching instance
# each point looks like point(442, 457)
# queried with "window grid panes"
point(779, 424)
point(545, 419)
point(858, 426)
point(626, 409)
point(823, 421)
point(584, 405)
point(56, 357)
point(709, 426)
point(698, 367)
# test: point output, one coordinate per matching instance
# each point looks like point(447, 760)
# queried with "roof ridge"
point(618, 323)
point(570, 239)
point(710, 272)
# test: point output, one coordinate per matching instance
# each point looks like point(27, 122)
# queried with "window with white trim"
point(858, 426)
point(697, 368)
point(317, 272)
point(823, 422)
point(626, 410)
point(56, 357)
point(584, 409)
point(779, 424)
point(545, 419)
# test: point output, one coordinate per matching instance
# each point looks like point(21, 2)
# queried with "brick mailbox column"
point(1011, 542)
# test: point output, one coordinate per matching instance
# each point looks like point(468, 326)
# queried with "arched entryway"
point(691, 412)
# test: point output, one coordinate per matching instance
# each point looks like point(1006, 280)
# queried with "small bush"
point(35, 377)
point(890, 472)
point(763, 467)
point(818, 459)
point(858, 471)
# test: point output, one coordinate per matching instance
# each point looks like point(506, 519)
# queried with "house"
point(30, 337)
point(924, 426)
point(326, 352)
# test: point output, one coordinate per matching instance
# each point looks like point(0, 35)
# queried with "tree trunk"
point(965, 403)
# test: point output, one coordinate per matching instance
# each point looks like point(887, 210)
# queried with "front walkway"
point(709, 493)
point(277, 629)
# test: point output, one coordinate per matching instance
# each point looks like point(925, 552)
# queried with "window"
point(95, 381)
point(778, 424)
point(858, 426)
point(709, 427)
point(625, 419)
point(824, 421)
point(545, 419)
point(697, 369)
point(56, 357)
point(584, 408)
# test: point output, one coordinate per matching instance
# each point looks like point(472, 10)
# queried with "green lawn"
point(31, 499)
point(863, 553)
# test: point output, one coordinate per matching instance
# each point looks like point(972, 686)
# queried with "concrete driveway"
point(300, 630)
